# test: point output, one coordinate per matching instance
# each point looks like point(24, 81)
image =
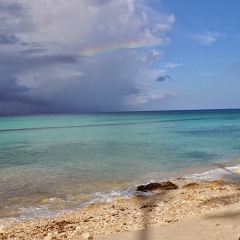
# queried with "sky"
point(118, 55)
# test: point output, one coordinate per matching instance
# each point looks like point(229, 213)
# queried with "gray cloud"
point(101, 89)
point(100, 2)
point(15, 9)
point(163, 78)
point(33, 51)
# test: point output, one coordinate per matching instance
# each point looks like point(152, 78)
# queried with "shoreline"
point(164, 208)
point(49, 206)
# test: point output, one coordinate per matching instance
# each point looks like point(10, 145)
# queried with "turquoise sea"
point(55, 163)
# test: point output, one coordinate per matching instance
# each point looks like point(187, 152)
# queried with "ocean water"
point(55, 163)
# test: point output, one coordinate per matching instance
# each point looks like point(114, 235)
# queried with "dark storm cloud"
point(11, 63)
point(10, 91)
point(10, 84)
point(6, 38)
point(163, 78)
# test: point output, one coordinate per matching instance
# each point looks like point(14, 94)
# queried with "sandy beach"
point(218, 224)
point(192, 211)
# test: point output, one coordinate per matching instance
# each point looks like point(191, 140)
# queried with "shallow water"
point(71, 159)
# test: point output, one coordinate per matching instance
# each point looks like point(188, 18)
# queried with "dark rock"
point(157, 186)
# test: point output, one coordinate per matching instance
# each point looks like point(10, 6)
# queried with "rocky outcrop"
point(157, 186)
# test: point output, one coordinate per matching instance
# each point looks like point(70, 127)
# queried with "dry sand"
point(221, 224)
point(185, 213)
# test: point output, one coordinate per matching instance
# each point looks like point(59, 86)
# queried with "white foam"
point(224, 172)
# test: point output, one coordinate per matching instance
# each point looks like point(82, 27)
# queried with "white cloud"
point(147, 96)
point(86, 24)
point(207, 37)
point(168, 20)
point(205, 74)
point(151, 56)
point(172, 65)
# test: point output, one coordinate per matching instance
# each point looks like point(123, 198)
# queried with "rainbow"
point(105, 49)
